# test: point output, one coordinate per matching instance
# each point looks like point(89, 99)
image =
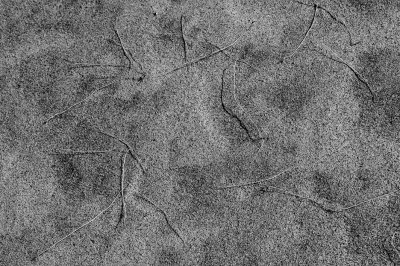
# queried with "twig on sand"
point(128, 146)
point(220, 50)
point(78, 103)
point(258, 181)
point(305, 35)
point(335, 19)
point(338, 59)
point(183, 41)
point(122, 216)
point(233, 115)
point(162, 212)
point(77, 152)
point(75, 230)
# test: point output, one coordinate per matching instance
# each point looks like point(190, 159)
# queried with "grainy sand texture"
point(191, 132)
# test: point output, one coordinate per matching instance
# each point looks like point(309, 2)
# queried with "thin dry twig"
point(122, 216)
point(88, 65)
point(183, 40)
point(82, 65)
point(305, 35)
point(338, 59)
point(162, 212)
point(203, 57)
point(329, 209)
point(78, 103)
point(313, 201)
point(365, 201)
point(123, 49)
point(242, 110)
point(231, 57)
point(75, 230)
point(229, 111)
point(256, 182)
point(335, 18)
point(197, 60)
point(128, 146)
point(130, 58)
point(76, 152)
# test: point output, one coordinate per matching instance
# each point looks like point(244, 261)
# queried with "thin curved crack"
point(163, 213)
point(233, 115)
point(334, 18)
point(338, 59)
point(305, 35)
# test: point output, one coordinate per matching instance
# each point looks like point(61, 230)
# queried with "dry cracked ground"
point(199, 132)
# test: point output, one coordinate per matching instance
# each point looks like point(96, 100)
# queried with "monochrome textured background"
point(282, 85)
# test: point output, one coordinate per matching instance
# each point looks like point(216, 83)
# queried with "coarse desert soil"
point(142, 132)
